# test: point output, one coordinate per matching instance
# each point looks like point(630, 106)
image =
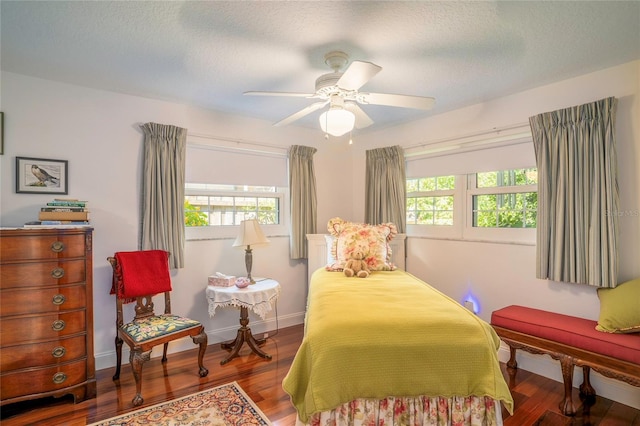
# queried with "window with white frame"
point(496, 206)
point(495, 195)
point(225, 186)
point(434, 206)
point(430, 200)
point(504, 199)
point(228, 205)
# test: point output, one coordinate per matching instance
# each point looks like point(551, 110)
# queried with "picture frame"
point(41, 176)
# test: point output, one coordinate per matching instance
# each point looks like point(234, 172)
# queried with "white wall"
point(504, 274)
point(97, 132)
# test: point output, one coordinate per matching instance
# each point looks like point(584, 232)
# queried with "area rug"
point(226, 405)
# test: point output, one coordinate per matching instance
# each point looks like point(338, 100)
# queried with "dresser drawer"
point(31, 328)
point(39, 274)
point(37, 380)
point(43, 354)
point(49, 299)
point(43, 247)
point(46, 314)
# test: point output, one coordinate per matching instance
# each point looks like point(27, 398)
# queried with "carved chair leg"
point(201, 339)
point(116, 376)
point(566, 406)
point(137, 359)
point(164, 352)
point(587, 392)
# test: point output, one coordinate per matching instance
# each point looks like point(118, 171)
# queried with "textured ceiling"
point(207, 53)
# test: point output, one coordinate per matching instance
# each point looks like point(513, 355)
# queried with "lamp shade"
point(250, 234)
point(337, 121)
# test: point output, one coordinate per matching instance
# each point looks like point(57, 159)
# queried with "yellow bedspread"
point(389, 334)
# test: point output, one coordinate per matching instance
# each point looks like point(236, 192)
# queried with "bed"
point(390, 349)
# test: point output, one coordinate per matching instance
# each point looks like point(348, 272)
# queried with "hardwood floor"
point(536, 398)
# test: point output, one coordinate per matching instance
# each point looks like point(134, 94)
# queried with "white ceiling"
point(207, 53)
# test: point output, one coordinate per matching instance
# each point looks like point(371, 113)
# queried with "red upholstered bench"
point(571, 340)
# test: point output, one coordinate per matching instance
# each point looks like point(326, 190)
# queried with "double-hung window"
point(224, 205)
point(495, 191)
point(502, 205)
point(433, 205)
point(492, 206)
point(224, 187)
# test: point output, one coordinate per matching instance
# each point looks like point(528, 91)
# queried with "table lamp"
point(250, 235)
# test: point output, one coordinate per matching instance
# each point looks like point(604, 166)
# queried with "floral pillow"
point(350, 235)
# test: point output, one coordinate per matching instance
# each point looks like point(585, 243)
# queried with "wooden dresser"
point(46, 314)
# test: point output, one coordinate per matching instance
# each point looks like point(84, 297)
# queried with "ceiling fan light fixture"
point(337, 121)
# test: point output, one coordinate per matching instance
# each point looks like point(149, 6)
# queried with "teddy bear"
point(356, 266)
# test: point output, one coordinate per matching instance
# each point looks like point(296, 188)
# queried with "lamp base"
point(248, 261)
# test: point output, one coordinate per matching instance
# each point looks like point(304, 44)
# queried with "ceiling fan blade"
point(298, 95)
point(362, 119)
point(404, 101)
point(297, 115)
point(357, 75)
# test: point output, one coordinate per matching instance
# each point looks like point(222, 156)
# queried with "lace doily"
point(257, 297)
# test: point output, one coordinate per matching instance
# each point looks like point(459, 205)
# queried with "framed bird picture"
point(41, 176)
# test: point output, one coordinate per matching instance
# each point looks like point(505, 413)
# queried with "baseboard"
point(545, 366)
point(108, 359)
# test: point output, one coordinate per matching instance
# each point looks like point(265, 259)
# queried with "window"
point(220, 208)
point(498, 206)
point(505, 199)
point(224, 205)
point(430, 201)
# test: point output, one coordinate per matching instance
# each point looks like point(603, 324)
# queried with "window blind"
point(210, 164)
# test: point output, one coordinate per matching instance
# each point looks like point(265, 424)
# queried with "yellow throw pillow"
point(620, 308)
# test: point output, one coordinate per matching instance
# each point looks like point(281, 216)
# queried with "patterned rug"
point(226, 405)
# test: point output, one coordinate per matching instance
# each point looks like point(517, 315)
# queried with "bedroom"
point(96, 131)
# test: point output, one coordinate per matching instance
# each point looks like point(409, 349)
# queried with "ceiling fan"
point(340, 90)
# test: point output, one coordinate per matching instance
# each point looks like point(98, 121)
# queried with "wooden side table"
point(258, 297)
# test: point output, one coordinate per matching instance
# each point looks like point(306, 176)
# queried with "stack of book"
point(63, 211)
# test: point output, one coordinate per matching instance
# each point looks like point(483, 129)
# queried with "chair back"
point(144, 302)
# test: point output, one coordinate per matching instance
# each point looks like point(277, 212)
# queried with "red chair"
point(137, 277)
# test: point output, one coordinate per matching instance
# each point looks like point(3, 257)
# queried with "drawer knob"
point(58, 325)
point(57, 246)
point(59, 299)
point(57, 273)
point(58, 352)
point(59, 378)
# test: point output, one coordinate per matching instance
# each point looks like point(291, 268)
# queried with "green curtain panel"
point(577, 231)
point(303, 198)
point(162, 226)
point(386, 187)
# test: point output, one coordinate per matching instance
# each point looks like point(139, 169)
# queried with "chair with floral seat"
point(137, 277)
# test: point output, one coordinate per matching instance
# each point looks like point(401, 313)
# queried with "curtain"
point(303, 198)
point(386, 187)
point(162, 226)
point(577, 229)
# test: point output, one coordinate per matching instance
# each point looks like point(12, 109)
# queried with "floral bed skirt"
point(412, 411)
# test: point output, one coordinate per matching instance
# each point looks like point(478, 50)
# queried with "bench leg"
point(512, 366)
point(587, 392)
point(512, 363)
point(566, 406)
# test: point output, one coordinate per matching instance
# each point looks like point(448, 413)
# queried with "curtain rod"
point(235, 145)
point(474, 137)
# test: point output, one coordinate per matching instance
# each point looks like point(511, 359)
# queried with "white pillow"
point(329, 239)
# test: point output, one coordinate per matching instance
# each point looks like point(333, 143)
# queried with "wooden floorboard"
point(536, 398)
